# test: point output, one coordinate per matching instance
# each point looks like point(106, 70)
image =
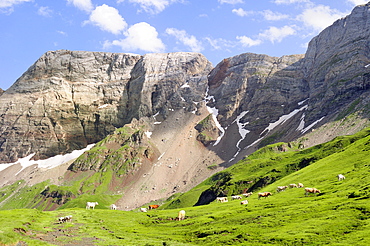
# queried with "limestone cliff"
point(274, 99)
point(68, 99)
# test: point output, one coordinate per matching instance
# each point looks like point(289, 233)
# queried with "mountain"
point(162, 123)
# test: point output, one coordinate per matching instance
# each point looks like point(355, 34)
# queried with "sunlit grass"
point(338, 216)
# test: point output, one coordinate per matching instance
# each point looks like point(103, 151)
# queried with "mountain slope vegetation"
point(339, 215)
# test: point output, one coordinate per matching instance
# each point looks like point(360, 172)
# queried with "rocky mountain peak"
point(68, 99)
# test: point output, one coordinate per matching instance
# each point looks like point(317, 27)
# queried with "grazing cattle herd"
point(181, 214)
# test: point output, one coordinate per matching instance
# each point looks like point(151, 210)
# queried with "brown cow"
point(153, 207)
point(311, 190)
point(264, 194)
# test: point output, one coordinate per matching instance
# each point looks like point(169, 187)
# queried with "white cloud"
point(85, 5)
point(273, 16)
point(320, 17)
point(231, 1)
point(241, 12)
point(273, 34)
point(248, 42)
point(277, 34)
point(44, 11)
point(10, 3)
point(220, 43)
point(140, 36)
point(62, 33)
point(107, 19)
point(188, 40)
point(357, 2)
point(290, 1)
point(152, 6)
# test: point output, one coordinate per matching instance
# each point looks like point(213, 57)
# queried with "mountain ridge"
point(69, 99)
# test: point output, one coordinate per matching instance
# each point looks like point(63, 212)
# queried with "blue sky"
point(216, 28)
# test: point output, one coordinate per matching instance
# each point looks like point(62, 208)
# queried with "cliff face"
point(69, 99)
point(335, 64)
point(279, 99)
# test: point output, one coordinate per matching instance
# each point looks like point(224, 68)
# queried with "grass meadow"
point(339, 215)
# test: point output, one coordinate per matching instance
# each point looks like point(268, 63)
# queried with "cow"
point(153, 207)
point(245, 202)
point(247, 194)
point(300, 185)
point(264, 194)
point(143, 210)
point(311, 190)
point(221, 199)
point(113, 207)
point(237, 197)
point(293, 186)
point(341, 177)
point(281, 188)
point(91, 205)
point(65, 219)
point(181, 215)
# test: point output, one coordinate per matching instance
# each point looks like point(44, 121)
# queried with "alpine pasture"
point(338, 215)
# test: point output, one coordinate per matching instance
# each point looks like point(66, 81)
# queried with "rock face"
point(270, 99)
point(69, 99)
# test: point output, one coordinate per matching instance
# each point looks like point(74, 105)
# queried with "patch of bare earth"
point(60, 235)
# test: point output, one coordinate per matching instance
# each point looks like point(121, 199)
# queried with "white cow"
point(222, 199)
point(143, 209)
point(91, 205)
point(113, 207)
point(236, 197)
point(245, 202)
point(341, 177)
point(181, 215)
point(248, 194)
point(281, 188)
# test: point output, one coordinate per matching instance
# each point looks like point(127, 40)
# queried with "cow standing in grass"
point(181, 215)
point(311, 190)
point(91, 205)
point(264, 194)
point(341, 177)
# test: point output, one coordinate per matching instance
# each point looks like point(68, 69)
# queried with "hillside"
point(155, 126)
point(339, 215)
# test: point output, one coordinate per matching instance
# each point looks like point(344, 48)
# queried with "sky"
point(216, 28)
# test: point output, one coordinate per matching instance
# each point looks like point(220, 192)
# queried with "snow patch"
point(242, 131)
point(161, 156)
point(312, 125)
point(47, 163)
point(148, 134)
point(186, 85)
point(302, 102)
point(103, 106)
point(283, 119)
point(214, 112)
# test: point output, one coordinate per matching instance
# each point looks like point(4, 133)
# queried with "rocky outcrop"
point(270, 99)
point(336, 64)
point(68, 99)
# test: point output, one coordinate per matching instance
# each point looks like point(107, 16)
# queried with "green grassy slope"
point(340, 215)
point(274, 162)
